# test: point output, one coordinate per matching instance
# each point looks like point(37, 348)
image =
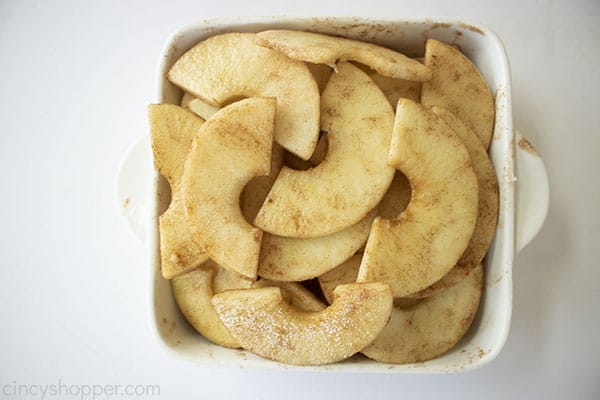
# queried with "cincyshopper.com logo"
point(61, 390)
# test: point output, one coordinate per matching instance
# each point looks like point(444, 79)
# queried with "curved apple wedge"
point(353, 176)
point(431, 327)
point(265, 324)
point(458, 86)
point(487, 216)
point(230, 149)
point(232, 66)
point(298, 259)
point(318, 48)
point(419, 247)
point(172, 130)
point(342, 274)
point(193, 292)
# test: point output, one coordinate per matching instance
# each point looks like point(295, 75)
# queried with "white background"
point(75, 79)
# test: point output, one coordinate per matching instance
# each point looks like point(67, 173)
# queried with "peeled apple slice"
point(487, 216)
point(193, 292)
point(430, 327)
point(458, 86)
point(230, 149)
point(317, 48)
point(353, 176)
point(419, 247)
point(265, 324)
point(231, 66)
point(172, 130)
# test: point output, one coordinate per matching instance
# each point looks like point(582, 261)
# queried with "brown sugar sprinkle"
point(527, 146)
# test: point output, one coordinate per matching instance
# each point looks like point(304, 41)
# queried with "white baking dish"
point(143, 194)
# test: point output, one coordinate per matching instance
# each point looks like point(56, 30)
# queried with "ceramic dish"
point(143, 194)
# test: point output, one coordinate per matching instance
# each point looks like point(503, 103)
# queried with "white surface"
point(75, 79)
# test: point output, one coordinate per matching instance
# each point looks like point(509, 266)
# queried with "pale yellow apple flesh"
point(430, 327)
point(232, 66)
point(342, 274)
point(172, 130)
point(185, 100)
point(265, 324)
point(318, 48)
point(458, 86)
point(297, 259)
point(488, 206)
point(419, 247)
point(202, 108)
point(394, 89)
point(230, 149)
point(354, 175)
point(193, 292)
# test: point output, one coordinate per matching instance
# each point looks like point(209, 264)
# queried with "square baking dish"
point(143, 194)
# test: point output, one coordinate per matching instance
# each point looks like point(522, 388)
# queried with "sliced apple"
point(342, 274)
point(172, 130)
point(294, 293)
point(297, 259)
point(431, 327)
point(317, 48)
point(193, 292)
point(354, 175)
point(419, 247)
point(202, 108)
point(265, 324)
point(185, 100)
point(231, 66)
point(488, 206)
point(230, 149)
point(395, 89)
point(458, 86)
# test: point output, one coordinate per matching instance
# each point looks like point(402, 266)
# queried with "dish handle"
point(532, 194)
point(135, 181)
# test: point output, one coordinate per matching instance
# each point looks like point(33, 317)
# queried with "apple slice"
point(458, 86)
point(230, 149)
point(488, 206)
point(294, 293)
point(265, 324)
point(354, 175)
point(202, 108)
point(431, 327)
point(394, 89)
point(172, 130)
point(231, 66)
point(193, 292)
point(323, 49)
point(342, 274)
point(185, 100)
point(419, 247)
point(297, 259)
